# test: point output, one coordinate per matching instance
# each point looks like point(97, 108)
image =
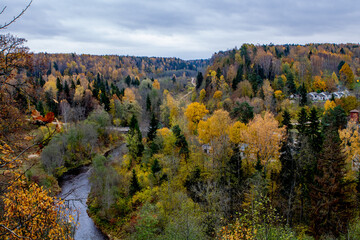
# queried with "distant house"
point(336, 95)
point(313, 96)
point(206, 148)
point(325, 96)
point(355, 163)
point(354, 115)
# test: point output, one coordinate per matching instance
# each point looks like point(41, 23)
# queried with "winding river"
point(75, 190)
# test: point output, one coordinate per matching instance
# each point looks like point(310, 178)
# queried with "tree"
point(347, 103)
point(134, 139)
point(332, 204)
point(288, 176)
point(194, 113)
point(154, 126)
point(215, 127)
point(302, 121)
point(156, 84)
point(236, 132)
point(202, 95)
point(319, 84)
point(290, 83)
point(347, 76)
point(263, 137)
point(268, 94)
point(243, 111)
point(287, 120)
point(350, 143)
point(148, 103)
point(245, 89)
point(128, 80)
point(134, 184)
point(334, 118)
point(59, 85)
point(28, 210)
point(303, 95)
point(238, 78)
point(181, 142)
point(31, 213)
point(6, 24)
point(199, 80)
point(313, 132)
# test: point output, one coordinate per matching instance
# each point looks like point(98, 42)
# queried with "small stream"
point(75, 190)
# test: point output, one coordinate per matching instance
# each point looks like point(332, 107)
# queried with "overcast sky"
point(188, 29)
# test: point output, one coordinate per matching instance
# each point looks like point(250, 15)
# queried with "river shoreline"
point(76, 187)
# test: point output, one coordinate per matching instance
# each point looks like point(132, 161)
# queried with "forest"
point(231, 147)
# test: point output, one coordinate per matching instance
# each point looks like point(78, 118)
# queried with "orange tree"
point(27, 210)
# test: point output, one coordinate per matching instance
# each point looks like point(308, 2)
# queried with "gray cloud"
point(182, 28)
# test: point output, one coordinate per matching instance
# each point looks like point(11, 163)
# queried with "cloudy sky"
point(188, 29)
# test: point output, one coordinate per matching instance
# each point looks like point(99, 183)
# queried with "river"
point(75, 190)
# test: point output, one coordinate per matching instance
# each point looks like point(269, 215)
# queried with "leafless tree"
point(15, 18)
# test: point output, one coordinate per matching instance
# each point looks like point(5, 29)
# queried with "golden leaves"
point(194, 113)
point(30, 212)
point(216, 126)
point(262, 138)
point(156, 84)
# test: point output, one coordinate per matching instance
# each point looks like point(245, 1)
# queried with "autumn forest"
point(256, 142)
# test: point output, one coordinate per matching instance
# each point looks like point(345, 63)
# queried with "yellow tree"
point(347, 76)
point(329, 105)
point(215, 131)
point(174, 111)
point(30, 213)
point(279, 95)
point(156, 84)
point(202, 95)
point(319, 84)
point(27, 210)
point(351, 146)
point(262, 139)
point(236, 132)
point(194, 113)
point(268, 94)
point(218, 95)
point(129, 95)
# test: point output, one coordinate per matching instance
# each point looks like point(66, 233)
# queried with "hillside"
point(243, 154)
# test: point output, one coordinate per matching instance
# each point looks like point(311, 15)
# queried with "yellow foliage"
point(79, 92)
point(168, 140)
point(50, 85)
point(156, 84)
point(236, 231)
point(202, 95)
point(351, 146)
point(194, 113)
point(218, 95)
point(129, 95)
point(319, 85)
point(217, 126)
point(329, 105)
point(174, 111)
point(262, 138)
point(236, 132)
point(279, 95)
point(31, 213)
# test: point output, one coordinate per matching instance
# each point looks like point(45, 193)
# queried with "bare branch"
point(12, 232)
point(3, 10)
point(5, 25)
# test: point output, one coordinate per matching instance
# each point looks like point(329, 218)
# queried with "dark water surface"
point(75, 190)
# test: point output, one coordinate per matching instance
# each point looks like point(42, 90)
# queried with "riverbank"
point(75, 190)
